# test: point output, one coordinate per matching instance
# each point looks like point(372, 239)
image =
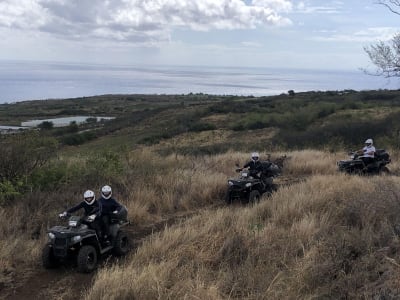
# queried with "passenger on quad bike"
point(254, 165)
point(109, 207)
point(79, 242)
point(92, 210)
point(256, 169)
point(254, 182)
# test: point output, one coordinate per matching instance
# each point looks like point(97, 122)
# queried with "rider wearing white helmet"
point(109, 206)
point(369, 149)
point(254, 164)
point(368, 152)
point(92, 210)
point(89, 204)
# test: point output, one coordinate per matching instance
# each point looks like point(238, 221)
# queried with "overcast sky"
point(319, 34)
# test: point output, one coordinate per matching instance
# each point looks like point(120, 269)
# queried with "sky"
point(311, 34)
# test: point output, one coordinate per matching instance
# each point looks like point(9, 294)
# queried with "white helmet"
point(106, 192)
point(89, 197)
point(369, 141)
point(255, 156)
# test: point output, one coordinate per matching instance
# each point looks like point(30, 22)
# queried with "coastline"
point(24, 81)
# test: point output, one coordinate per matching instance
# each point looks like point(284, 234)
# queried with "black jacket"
point(109, 205)
point(253, 165)
point(94, 209)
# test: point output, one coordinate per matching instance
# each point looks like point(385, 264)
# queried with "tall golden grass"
point(330, 235)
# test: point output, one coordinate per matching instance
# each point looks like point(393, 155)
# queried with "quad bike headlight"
point(76, 239)
point(230, 182)
point(248, 184)
point(51, 235)
point(72, 223)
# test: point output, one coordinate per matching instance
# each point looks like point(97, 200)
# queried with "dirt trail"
point(67, 284)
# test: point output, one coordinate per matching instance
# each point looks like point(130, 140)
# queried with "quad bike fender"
point(91, 240)
point(113, 230)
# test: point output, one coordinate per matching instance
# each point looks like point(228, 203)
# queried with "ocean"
point(22, 80)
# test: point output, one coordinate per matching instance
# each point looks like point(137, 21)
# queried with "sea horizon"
point(38, 80)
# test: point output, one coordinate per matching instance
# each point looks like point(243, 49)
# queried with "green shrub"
point(10, 190)
point(105, 165)
point(23, 153)
point(257, 125)
point(201, 126)
point(238, 127)
point(78, 138)
point(54, 176)
point(46, 125)
point(73, 127)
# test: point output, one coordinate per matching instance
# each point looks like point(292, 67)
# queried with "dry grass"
point(330, 235)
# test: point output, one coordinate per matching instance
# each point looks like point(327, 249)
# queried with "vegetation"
point(317, 239)
point(321, 235)
point(385, 54)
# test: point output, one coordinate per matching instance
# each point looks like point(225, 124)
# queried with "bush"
point(46, 125)
point(200, 126)
point(53, 176)
point(78, 138)
point(105, 166)
point(9, 190)
point(23, 153)
point(238, 127)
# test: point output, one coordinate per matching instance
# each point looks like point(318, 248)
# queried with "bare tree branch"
point(391, 4)
point(386, 55)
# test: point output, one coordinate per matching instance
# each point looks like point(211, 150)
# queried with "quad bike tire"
point(385, 170)
point(87, 259)
point(228, 198)
point(271, 189)
point(254, 197)
point(49, 261)
point(121, 244)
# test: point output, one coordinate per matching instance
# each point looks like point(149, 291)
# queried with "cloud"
point(372, 34)
point(138, 21)
point(22, 15)
point(333, 8)
point(251, 44)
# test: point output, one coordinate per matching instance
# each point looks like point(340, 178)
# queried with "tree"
point(386, 55)
point(73, 127)
point(392, 5)
point(46, 125)
point(22, 153)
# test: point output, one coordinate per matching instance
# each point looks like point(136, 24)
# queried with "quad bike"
point(251, 184)
point(356, 165)
point(79, 242)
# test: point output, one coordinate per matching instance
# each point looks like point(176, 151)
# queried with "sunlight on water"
point(34, 80)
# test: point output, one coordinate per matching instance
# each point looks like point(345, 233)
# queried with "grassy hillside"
point(322, 239)
point(304, 120)
point(321, 235)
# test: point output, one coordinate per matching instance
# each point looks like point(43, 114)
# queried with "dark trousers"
point(97, 227)
point(367, 160)
point(105, 224)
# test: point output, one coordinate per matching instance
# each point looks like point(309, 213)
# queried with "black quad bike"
point(79, 242)
point(355, 164)
point(251, 184)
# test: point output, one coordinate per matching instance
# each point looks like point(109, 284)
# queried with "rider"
point(92, 210)
point(368, 152)
point(254, 165)
point(109, 206)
